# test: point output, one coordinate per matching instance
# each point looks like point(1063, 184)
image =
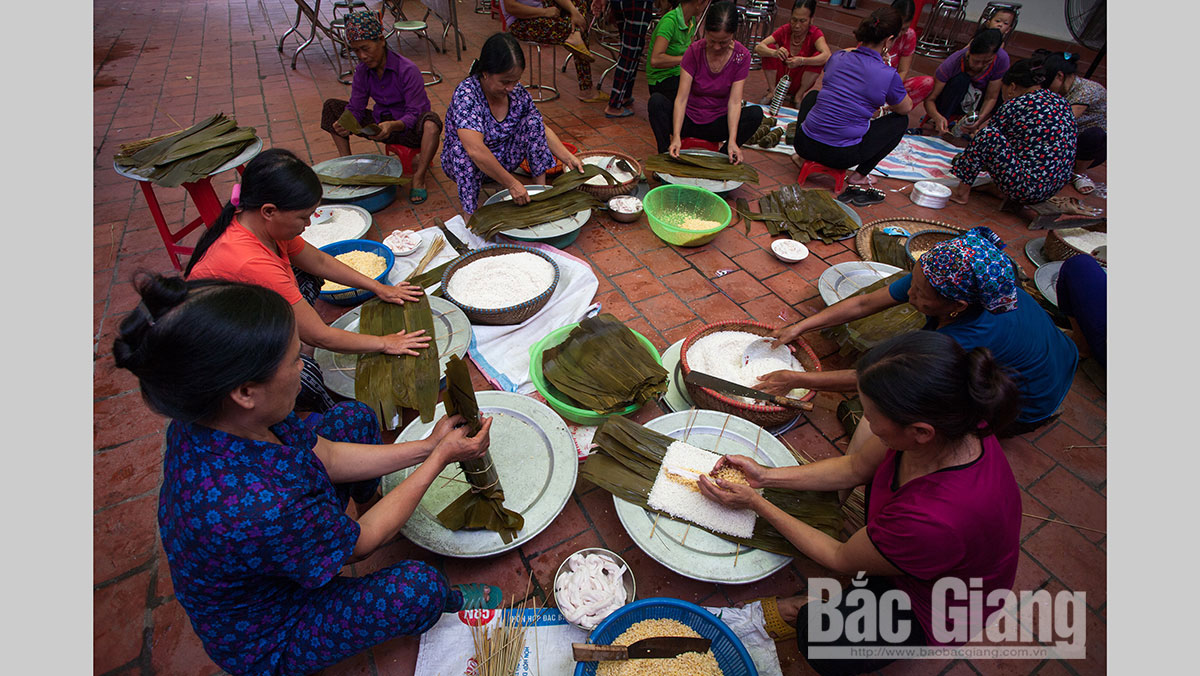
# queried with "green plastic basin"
point(697, 202)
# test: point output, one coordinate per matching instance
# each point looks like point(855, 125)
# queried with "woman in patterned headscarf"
point(966, 288)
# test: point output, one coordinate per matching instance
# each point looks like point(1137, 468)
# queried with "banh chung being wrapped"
point(741, 357)
point(687, 664)
point(495, 282)
point(676, 491)
point(590, 588)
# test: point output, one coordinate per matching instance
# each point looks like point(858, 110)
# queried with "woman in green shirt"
point(671, 38)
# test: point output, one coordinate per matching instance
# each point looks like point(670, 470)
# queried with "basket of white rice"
point(366, 256)
point(1069, 242)
point(628, 173)
point(500, 284)
point(736, 351)
point(655, 617)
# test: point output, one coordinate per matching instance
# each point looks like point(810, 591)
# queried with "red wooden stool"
point(405, 154)
point(689, 142)
point(810, 166)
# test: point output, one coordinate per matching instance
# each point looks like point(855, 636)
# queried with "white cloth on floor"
point(404, 265)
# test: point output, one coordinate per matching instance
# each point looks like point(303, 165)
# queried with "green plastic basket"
point(690, 200)
point(556, 399)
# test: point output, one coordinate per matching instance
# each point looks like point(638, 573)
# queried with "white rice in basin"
point(343, 224)
point(676, 491)
point(502, 281)
point(741, 357)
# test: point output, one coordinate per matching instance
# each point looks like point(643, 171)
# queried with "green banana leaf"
point(560, 201)
point(602, 366)
point(363, 179)
point(387, 383)
point(700, 166)
point(350, 124)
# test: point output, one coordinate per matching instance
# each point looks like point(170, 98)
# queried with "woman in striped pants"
point(632, 18)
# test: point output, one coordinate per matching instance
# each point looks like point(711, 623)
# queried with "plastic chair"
point(810, 166)
point(690, 142)
point(405, 154)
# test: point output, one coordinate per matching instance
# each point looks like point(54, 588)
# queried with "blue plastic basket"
point(726, 646)
point(356, 296)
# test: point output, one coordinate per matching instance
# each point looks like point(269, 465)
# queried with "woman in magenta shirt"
point(941, 499)
point(708, 104)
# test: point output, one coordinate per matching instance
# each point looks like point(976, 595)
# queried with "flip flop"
point(1084, 184)
point(473, 596)
point(580, 51)
point(773, 622)
point(624, 113)
point(867, 197)
point(417, 195)
point(850, 193)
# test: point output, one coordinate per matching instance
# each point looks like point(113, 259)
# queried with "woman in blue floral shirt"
point(252, 509)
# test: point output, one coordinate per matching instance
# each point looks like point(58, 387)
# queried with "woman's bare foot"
point(856, 178)
point(798, 161)
point(789, 607)
point(960, 193)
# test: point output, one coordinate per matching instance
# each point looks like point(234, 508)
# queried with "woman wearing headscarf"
point(395, 84)
point(966, 288)
point(253, 505)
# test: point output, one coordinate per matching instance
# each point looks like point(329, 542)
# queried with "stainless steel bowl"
point(622, 217)
point(627, 578)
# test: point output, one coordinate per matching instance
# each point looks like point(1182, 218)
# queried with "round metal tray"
point(706, 183)
point(542, 231)
point(535, 457)
point(704, 556)
point(451, 330)
point(251, 151)
point(352, 165)
point(843, 279)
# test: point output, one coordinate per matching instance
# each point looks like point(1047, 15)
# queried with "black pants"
point(854, 666)
point(313, 394)
point(881, 138)
point(661, 109)
point(1092, 145)
point(668, 88)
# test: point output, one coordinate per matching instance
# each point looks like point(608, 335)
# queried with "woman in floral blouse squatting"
point(252, 510)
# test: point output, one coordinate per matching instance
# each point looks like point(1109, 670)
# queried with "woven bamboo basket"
point(926, 240)
point(862, 240)
point(1056, 249)
point(764, 415)
point(607, 192)
point(501, 316)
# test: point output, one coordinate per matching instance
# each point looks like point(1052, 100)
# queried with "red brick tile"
point(614, 261)
point(1027, 462)
point(108, 380)
point(123, 418)
point(360, 664)
point(689, 284)
point(1031, 505)
point(741, 287)
point(791, 287)
point(1030, 575)
point(1085, 417)
point(127, 470)
point(665, 311)
point(709, 262)
point(653, 579)
point(163, 585)
point(809, 442)
point(118, 622)
point(567, 525)
point(123, 537)
point(769, 309)
point(594, 239)
point(175, 648)
point(545, 565)
point(680, 332)
point(397, 657)
point(637, 237)
point(732, 242)
point(1072, 559)
point(1072, 501)
point(639, 284)
point(643, 327)
point(663, 261)
point(760, 263)
point(598, 505)
point(717, 308)
point(824, 251)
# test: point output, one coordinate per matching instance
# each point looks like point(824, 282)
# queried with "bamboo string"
point(1065, 523)
point(685, 533)
point(735, 554)
point(721, 434)
point(653, 527)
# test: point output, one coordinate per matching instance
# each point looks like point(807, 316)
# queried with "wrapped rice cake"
point(676, 491)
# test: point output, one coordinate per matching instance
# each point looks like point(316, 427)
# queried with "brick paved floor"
point(161, 64)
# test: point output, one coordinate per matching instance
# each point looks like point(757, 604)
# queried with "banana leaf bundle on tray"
point(482, 505)
point(560, 201)
point(627, 459)
point(712, 167)
point(363, 179)
point(602, 366)
point(388, 382)
point(189, 155)
point(861, 335)
point(803, 215)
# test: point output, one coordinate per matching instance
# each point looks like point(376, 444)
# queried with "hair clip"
point(235, 194)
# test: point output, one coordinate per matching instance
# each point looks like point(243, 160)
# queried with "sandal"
point(1084, 184)
point(580, 51)
point(417, 195)
point(473, 596)
point(867, 196)
point(776, 627)
point(1072, 205)
point(850, 194)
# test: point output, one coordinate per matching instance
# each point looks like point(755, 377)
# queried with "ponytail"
point(925, 376)
point(880, 25)
point(275, 176)
point(500, 53)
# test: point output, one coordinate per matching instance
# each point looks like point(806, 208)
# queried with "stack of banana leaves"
point(388, 382)
point(712, 167)
point(363, 179)
point(482, 505)
point(561, 201)
point(603, 366)
point(803, 215)
point(627, 459)
point(861, 335)
point(350, 124)
point(189, 155)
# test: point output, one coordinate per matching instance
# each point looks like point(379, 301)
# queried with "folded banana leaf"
point(889, 249)
point(386, 382)
point(560, 201)
point(189, 155)
point(350, 124)
point(627, 459)
point(482, 505)
point(700, 166)
point(602, 366)
point(804, 215)
point(363, 179)
point(861, 335)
